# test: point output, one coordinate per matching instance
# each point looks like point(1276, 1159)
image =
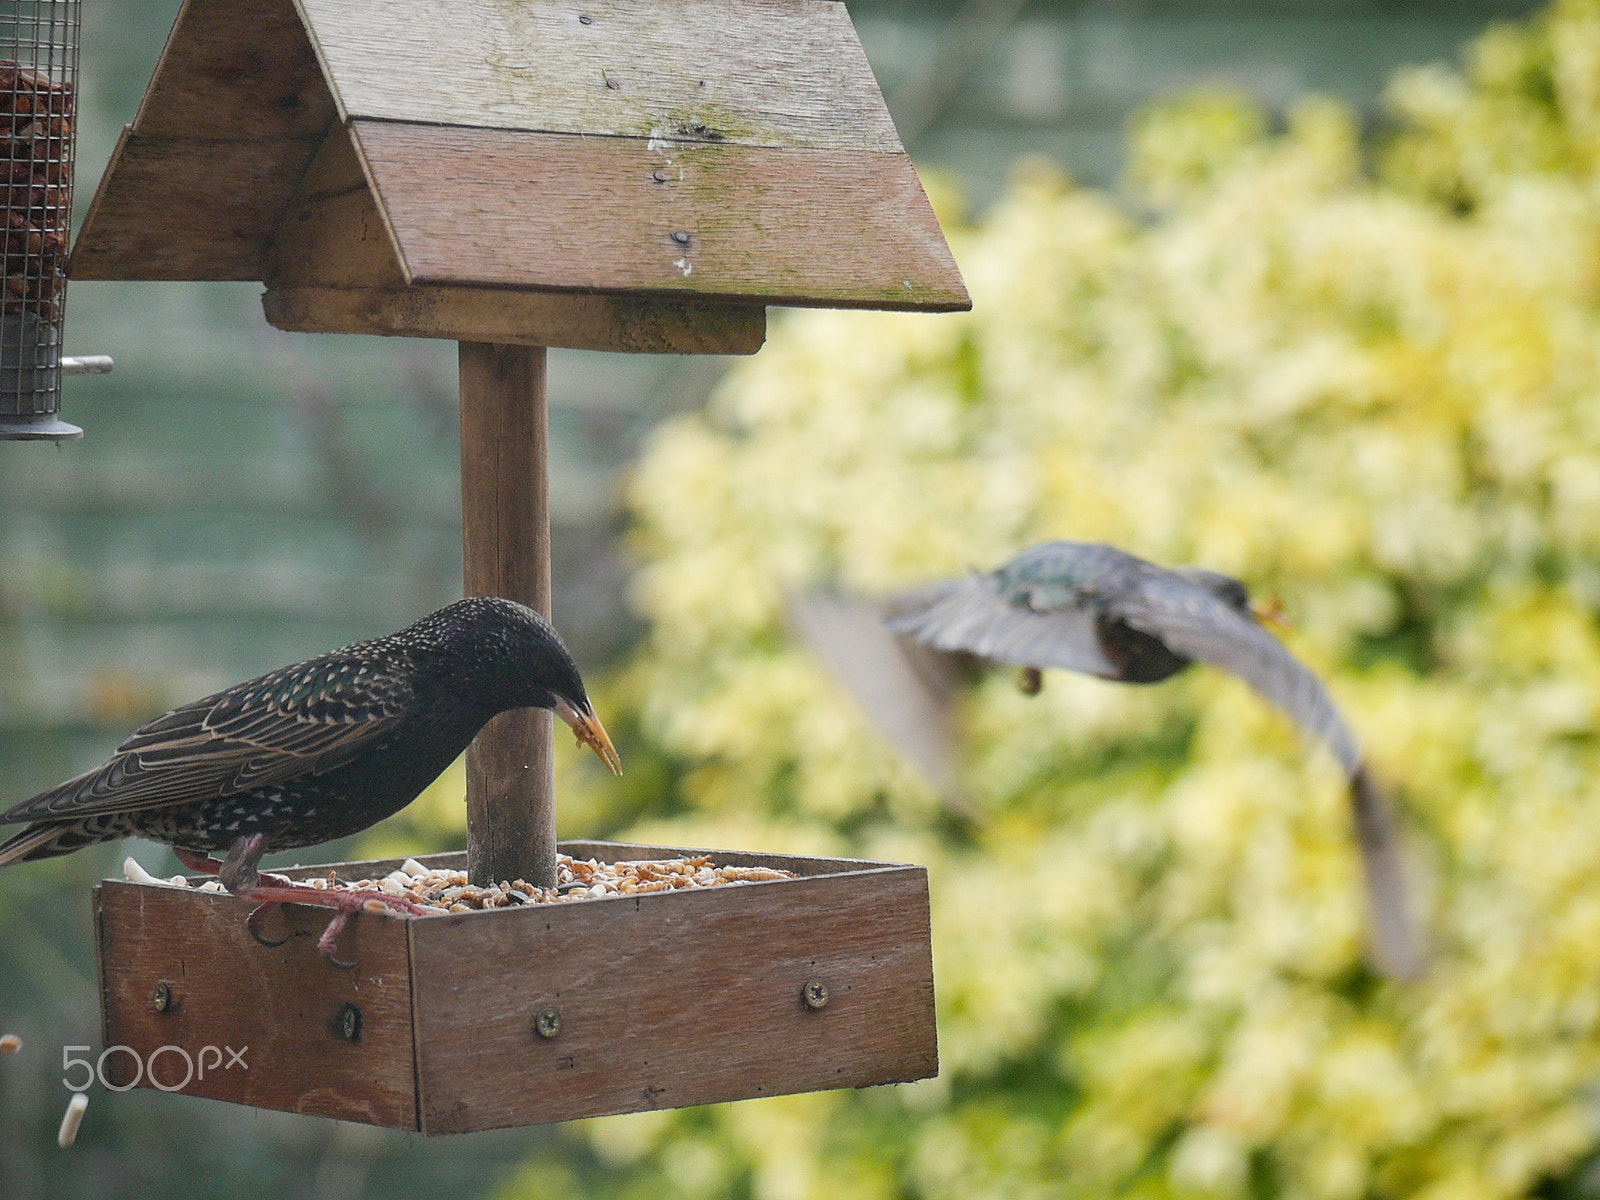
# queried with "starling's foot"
point(203, 863)
point(241, 874)
point(273, 894)
point(346, 902)
point(207, 865)
point(330, 935)
point(252, 925)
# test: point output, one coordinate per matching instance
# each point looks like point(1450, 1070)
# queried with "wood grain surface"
point(233, 113)
point(237, 70)
point(747, 158)
point(573, 321)
point(332, 268)
point(501, 209)
point(505, 534)
point(748, 72)
point(283, 1007)
point(330, 233)
point(666, 999)
point(173, 208)
point(673, 999)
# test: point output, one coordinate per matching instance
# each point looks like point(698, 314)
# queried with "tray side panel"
point(281, 1009)
point(673, 999)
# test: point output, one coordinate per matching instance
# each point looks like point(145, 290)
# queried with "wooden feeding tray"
point(547, 1012)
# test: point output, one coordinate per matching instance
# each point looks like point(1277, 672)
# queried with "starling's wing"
point(306, 719)
point(1198, 625)
point(1032, 626)
point(904, 687)
point(1194, 623)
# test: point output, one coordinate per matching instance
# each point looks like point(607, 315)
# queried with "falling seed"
point(71, 1119)
point(10, 1044)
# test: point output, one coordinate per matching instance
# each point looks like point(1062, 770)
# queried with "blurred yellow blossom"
point(1363, 378)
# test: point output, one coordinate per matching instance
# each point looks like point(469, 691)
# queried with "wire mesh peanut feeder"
point(38, 115)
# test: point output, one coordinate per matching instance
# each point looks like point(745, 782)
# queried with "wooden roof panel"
point(745, 156)
point(500, 208)
point(183, 208)
point(236, 69)
point(752, 72)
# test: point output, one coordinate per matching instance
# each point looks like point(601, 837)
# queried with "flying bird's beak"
point(1270, 613)
point(590, 733)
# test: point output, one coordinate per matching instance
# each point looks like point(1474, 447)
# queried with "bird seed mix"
point(442, 890)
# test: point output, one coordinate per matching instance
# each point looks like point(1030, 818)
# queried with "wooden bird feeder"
point(627, 175)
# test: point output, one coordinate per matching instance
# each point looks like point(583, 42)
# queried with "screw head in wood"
point(815, 994)
point(348, 1024)
point(681, 237)
point(548, 1023)
point(161, 997)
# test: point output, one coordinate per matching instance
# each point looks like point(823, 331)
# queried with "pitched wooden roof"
point(634, 174)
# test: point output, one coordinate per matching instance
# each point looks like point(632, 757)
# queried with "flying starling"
point(1095, 609)
point(315, 751)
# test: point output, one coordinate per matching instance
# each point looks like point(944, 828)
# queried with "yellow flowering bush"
point(1364, 378)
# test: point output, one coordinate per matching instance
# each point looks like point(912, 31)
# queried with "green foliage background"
point(1363, 376)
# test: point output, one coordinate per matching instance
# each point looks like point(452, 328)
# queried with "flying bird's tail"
point(1396, 936)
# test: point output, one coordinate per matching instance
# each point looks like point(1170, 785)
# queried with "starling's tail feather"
point(1397, 941)
point(36, 841)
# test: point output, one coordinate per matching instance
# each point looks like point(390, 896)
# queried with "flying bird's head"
point(1235, 595)
point(1224, 587)
point(527, 665)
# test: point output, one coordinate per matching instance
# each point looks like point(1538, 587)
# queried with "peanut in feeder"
point(623, 175)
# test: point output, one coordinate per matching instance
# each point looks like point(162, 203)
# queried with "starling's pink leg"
point(207, 865)
point(240, 874)
point(203, 863)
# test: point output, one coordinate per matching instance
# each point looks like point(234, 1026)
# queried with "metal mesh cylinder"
point(38, 127)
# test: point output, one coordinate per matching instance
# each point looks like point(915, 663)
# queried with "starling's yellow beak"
point(1270, 613)
point(590, 733)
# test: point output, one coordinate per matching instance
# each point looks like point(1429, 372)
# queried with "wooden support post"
point(505, 525)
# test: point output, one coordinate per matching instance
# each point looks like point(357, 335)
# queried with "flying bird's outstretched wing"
point(904, 686)
point(1029, 627)
point(309, 718)
point(1196, 624)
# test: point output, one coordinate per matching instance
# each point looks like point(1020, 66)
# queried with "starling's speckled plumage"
point(318, 750)
point(1096, 609)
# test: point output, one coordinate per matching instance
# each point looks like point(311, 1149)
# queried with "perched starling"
point(1095, 609)
point(314, 751)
